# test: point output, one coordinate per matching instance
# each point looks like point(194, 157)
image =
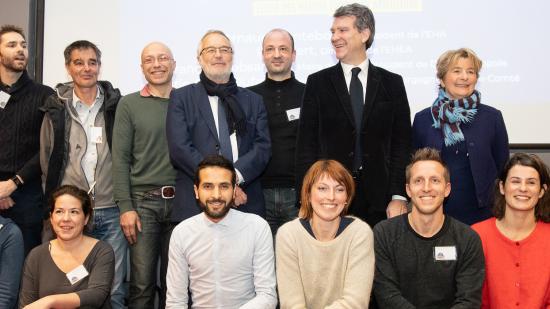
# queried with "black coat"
point(327, 131)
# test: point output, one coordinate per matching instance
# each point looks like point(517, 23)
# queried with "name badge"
point(96, 135)
point(77, 274)
point(293, 114)
point(4, 98)
point(445, 253)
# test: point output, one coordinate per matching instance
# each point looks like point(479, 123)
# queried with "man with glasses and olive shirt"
point(75, 142)
point(282, 95)
point(143, 176)
point(214, 116)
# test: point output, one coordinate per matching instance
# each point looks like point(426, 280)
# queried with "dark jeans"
point(152, 242)
point(106, 227)
point(280, 207)
point(27, 213)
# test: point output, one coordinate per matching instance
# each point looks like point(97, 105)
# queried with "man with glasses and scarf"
point(215, 116)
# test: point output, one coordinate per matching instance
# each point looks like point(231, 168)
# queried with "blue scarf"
point(448, 114)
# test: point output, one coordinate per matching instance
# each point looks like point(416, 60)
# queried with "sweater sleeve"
point(101, 278)
point(123, 137)
point(289, 281)
point(29, 281)
point(386, 281)
point(470, 275)
point(359, 273)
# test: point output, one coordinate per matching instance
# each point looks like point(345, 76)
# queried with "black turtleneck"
point(279, 97)
point(20, 123)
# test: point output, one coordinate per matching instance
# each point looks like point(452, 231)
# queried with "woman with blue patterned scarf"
point(471, 136)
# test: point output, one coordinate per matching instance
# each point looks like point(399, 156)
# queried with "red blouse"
point(517, 273)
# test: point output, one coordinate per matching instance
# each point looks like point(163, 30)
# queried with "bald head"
point(279, 32)
point(278, 54)
point(155, 46)
point(157, 64)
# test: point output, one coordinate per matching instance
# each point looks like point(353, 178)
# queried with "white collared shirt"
point(228, 264)
point(86, 116)
point(363, 75)
point(232, 138)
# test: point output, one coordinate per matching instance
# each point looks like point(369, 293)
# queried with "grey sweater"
point(42, 277)
point(408, 275)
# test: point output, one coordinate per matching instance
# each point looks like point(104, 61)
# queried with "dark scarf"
point(226, 93)
point(448, 114)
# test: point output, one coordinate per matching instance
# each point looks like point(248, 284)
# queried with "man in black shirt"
point(425, 259)
point(282, 95)
point(20, 120)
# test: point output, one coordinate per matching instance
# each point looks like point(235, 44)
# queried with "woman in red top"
point(517, 242)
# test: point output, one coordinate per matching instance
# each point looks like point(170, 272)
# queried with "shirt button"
point(517, 304)
point(517, 264)
point(517, 243)
point(517, 284)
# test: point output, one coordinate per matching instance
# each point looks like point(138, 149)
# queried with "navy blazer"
point(486, 140)
point(327, 131)
point(192, 135)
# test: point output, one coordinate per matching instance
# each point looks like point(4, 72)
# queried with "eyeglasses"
point(161, 59)
point(211, 50)
point(272, 49)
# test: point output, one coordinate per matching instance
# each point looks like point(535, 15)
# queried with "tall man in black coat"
point(358, 117)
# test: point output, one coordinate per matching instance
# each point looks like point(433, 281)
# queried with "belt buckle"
point(167, 192)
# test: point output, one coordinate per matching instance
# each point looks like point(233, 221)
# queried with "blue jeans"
point(280, 207)
point(156, 228)
point(106, 227)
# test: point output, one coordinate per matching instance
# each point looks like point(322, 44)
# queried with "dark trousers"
point(152, 243)
point(361, 208)
point(27, 213)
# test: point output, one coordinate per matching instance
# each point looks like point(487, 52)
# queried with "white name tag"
point(293, 114)
point(77, 274)
point(96, 135)
point(4, 98)
point(445, 253)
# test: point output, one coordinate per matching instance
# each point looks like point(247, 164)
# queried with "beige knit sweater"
point(335, 274)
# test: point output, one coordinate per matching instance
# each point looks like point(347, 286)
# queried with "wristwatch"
point(16, 180)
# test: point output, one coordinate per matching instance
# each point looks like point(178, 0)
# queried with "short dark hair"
point(11, 28)
point(542, 209)
point(216, 161)
point(75, 192)
point(427, 154)
point(364, 19)
point(81, 44)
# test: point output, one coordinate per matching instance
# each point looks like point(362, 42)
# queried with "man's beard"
point(9, 64)
point(216, 214)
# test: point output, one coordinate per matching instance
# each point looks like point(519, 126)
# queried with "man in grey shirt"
point(223, 256)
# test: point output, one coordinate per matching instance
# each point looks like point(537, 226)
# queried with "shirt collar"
point(77, 100)
point(363, 65)
point(225, 222)
point(146, 92)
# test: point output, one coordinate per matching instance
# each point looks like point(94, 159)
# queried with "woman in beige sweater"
point(324, 258)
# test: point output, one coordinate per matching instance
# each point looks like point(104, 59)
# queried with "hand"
point(396, 208)
point(240, 197)
point(128, 221)
point(42, 303)
point(6, 188)
point(6, 203)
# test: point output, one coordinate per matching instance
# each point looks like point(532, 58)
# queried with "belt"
point(166, 192)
